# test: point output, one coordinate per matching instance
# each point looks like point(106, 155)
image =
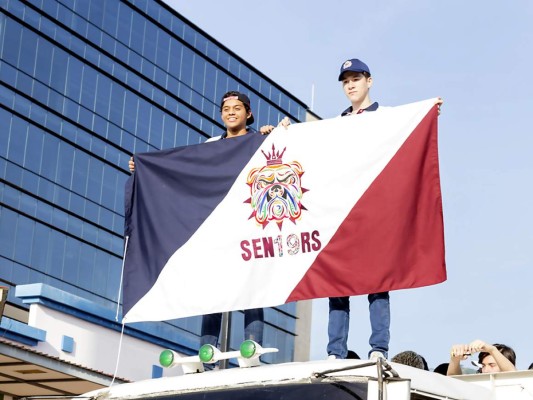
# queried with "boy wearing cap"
point(356, 83)
point(236, 114)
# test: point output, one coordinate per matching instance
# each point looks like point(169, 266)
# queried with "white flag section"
point(237, 259)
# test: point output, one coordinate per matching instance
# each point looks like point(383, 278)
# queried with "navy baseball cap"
point(353, 65)
point(243, 99)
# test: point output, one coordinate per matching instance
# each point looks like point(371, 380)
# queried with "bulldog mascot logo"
point(275, 190)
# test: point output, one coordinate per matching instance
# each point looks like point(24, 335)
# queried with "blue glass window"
point(11, 47)
point(103, 94)
point(143, 120)
point(111, 9)
point(27, 57)
point(118, 95)
point(94, 184)
point(149, 41)
point(55, 259)
point(59, 70)
point(80, 170)
point(198, 74)
point(30, 181)
point(88, 89)
point(40, 247)
point(71, 259)
point(86, 266)
point(96, 12)
point(8, 220)
point(65, 164)
point(124, 23)
point(163, 49)
point(44, 49)
point(17, 141)
point(109, 186)
point(137, 32)
point(186, 71)
point(74, 79)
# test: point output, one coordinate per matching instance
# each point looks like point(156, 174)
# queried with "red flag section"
point(393, 238)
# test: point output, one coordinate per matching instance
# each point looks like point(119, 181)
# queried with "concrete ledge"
point(22, 333)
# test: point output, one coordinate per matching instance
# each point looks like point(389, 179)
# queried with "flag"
point(336, 207)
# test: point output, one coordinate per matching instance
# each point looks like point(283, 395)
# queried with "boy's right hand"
point(460, 351)
point(265, 130)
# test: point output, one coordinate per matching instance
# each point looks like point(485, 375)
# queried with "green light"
point(166, 358)
point(248, 348)
point(206, 353)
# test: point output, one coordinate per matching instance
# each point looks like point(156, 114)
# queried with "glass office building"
point(84, 84)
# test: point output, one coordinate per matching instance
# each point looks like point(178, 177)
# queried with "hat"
point(243, 99)
point(353, 65)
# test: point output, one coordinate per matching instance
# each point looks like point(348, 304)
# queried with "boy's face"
point(234, 114)
point(356, 86)
point(488, 364)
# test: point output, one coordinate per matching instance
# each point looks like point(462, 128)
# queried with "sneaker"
point(375, 355)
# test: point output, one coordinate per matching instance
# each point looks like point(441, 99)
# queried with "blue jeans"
point(253, 326)
point(339, 324)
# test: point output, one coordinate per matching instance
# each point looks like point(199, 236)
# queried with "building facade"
point(84, 84)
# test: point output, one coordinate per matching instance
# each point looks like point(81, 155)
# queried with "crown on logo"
point(274, 158)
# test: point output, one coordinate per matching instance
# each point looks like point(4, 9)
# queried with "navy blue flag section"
point(187, 181)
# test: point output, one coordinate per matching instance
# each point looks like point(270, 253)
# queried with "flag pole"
point(225, 334)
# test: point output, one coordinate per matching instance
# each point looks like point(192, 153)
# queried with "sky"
point(478, 57)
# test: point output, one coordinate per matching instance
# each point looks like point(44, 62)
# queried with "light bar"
point(166, 358)
point(171, 359)
point(250, 352)
point(209, 354)
point(247, 356)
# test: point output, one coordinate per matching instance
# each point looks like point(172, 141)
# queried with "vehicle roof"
point(421, 381)
point(516, 385)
